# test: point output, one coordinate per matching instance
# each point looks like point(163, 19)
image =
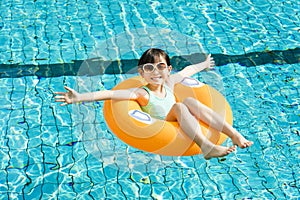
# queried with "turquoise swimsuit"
point(159, 107)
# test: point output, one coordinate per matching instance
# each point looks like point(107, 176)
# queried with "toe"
point(248, 143)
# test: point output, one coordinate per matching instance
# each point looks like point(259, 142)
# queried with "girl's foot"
point(239, 140)
point(218, 151)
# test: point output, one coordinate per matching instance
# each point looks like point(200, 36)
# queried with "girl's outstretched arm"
point(72, 96)
point(190, 70)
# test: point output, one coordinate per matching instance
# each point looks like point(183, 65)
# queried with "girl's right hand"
point(69, 97)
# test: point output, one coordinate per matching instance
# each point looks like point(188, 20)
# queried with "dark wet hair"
point(152, 55)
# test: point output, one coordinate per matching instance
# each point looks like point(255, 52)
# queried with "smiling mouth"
point(156, 78)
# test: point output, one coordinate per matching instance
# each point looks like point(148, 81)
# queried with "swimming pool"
point(49, 152)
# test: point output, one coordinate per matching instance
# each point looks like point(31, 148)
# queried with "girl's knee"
point(193, 104)
point(189, 100)
point(179, 107)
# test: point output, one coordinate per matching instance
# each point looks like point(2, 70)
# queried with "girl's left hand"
point(210, 62)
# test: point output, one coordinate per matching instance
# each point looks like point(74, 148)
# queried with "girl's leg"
point(189, 124)
point(213, 119)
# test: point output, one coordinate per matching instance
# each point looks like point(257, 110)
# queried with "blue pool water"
point(53, 152)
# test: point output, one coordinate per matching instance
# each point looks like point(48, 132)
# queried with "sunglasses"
point(149, 67)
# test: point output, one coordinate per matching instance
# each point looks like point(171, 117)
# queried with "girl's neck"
point(155, 88)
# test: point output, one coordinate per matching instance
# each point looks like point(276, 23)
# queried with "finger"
point(59, 97)
point(60, 93)
point(208, 57)
point(69, 89)
point(60, 100)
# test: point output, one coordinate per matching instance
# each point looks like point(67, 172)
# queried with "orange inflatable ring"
point(138, 129)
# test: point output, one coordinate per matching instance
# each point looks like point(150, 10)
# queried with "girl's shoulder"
point(176, 78)
point(142, 96)
point(171, 82)
point(141, 91)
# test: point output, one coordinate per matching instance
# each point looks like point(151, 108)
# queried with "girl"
point(157, 99)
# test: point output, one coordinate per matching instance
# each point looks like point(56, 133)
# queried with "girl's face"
point(156, 73)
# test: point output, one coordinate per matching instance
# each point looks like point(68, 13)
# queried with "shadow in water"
point(96, 66)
